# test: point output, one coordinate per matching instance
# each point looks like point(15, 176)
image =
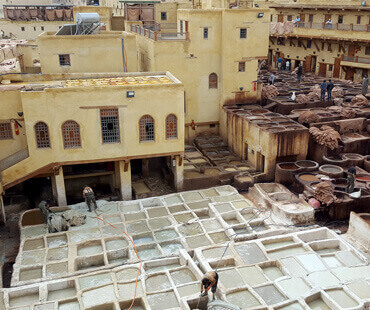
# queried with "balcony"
point(355, 61)
point(160, 36)
point(342, 27)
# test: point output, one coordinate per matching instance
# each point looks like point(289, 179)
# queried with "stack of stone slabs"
point(159, 227)
point(314, 269)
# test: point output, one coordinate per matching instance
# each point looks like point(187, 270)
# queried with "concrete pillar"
point(58, 187)
point(177, 164)
point(124, 169)
point(145, 167)
point(2, 211)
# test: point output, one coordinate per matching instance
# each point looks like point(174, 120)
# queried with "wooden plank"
point(104, 107)
point(87, 175)
point(336, 68)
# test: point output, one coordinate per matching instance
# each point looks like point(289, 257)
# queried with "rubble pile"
point(326, 136)
point(348, 113)
point(359, 101)
point(337, 92)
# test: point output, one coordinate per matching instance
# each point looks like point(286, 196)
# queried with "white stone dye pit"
point(159, 227)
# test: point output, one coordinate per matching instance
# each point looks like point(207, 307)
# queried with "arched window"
point(42, 135)
point(71, 135)
point(146, 126)
point(171, 126)
point(213, 80)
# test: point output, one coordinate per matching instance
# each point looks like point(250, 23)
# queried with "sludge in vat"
point(211, 225)
point(109, 231)
point(191, 196)
point(138, 304)
point(211, 192)
point(294, 287)
point(183, 217)
point(127, 274)
point(156, 283)
point(159, 223)
point(90, 249)
point(199, 204)
point(99, 296)
point(272, 272)
point(33, 244)
point(191, 229)
point(95, 280)
point(57, 241)
point(342, 298)
point(116, 244)
point(143, 238)
point(23, 298)
point(137, 227)
point(127, 208)
point(188, 289)
point(243, 299)
point(157, 212)
point(331, 261)
point(135, 216)
point(230, 278)
point(197, 241)
point(183, 276)
point(252, 275)
point(33, 258)
point(172, 200)
point(225, 207)
point(171, 248)
point(250, 253)
point(360, 289)
point(270, 294)
point(217, 252)
point(163, 301)
point(219, 237)
point(58, 269)
point(69, 305)
point(177, 208)
point(323, 279)
point(318, 304)
point(57, 254)
point(30, 274)
point(149, 253)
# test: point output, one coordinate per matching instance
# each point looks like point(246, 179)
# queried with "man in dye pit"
point(323, 87)
point(89, 196)
point(299, 73)
point(209, 281)
point(351, 180)
point(44, 208)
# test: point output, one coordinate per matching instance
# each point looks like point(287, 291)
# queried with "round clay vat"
point(367, 163)
point(307, 165)
point(278, 119)
point(243, 181)
point(340, 182)
point(275, 129)
point(293, 127)
point(335, 161)
point(212, 171)
point(361, 177)
point(308, 178)
point(353, 159)
point(190, 174)
point(287, 123)
point(272, 114)
point(284, 172)
point(332, 171)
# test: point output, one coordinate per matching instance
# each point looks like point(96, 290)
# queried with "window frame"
point(42, 142)
point(23, 28)
point(241, 66)
point(242, 35)
point(340, 19)
point(62, 58)
point(115, 136)
point(6, 133)
point(213, 84)
point(76, 146)
point(141, 127)
point(171, 134)
point(310, 18)
point(163, 15)
point(205, 33)
point(358, 19)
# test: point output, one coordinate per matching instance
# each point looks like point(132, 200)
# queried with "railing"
point(13, 159)
point(365, 60)
point(159, 36)
point(343, 27)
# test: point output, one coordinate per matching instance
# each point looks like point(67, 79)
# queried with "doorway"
point(322, 69)
point(313, 63)
point(350, 72)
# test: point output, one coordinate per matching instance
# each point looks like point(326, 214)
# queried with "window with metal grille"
point(171, 126)
point(309, 43)
point(290, 17)
point(71, 135)
point(109, 125)
point(212, 80)
point(358, 20)
point(6, 131)
point(42, 135)
point(163, 15)
point(205, 33)
point(243, 33)
point(146, 126)
point(64, 60)
point(241, 66)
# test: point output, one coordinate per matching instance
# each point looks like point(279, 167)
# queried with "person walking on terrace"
point(89, 196)
point(209, 281)
point(329, 88)
point(323, 87)
point(351, 180)
point(365, 85)
point(299, 73)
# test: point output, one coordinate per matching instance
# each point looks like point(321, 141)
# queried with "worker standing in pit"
point(209, 281)
point(323, 87)
point(351, 180)
point(44, 208)
point(272, 79)
point(299, 73)
point(89, 196)
point(329, 88)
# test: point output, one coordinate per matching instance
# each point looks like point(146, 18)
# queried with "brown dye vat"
point(308, 178)
point(32, 217)
point(331, 169)
point(266, 125)
point(286, 123)
point(275, 129)
point(212, 172)
point(306, 163)
point(363, 179)
point(278, 119)
point(366, 218)
point(289, 166)
point(191, 174)
point(293, 127)
point(259, 111)
point(352, 135)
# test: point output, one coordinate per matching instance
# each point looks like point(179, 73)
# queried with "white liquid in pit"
point(318, 304)
point(165, 235)
point(182, 276)
point(349, 259)
point(189, 289)
point(243, 299)
point(294, 306)
point(323, 279)
point(116, 244)
point(211, 225)
point(109, 231)
point(163, 301)
point(230, 278)
point(161, 268)
point(135, 216)
point(53, 270)
point(311, 262)
point(24, 300)
point(278, 244)
point(89, 250)
point(223, 208)
point(172, 200)
point(94, 281)
point(294, 287)
point(30, 274)
point(331, 261)
point(78, 236)
point(197, 241)
point(219, 237)
point(269, 294)
point(148, 253)
point(176, 209)
point(199, 205)
point(215, 252)
point(250, 253)
point(126, 275)
point(70, 305)
point(62, 294)
point(342, 298)
point(58, 241)
point(361, 289)
point(32, 258)
point(191, 229)
point(183, 217)
point(171, 248)
point(137, 227)
point(30, 245)
point(210, 192)
point(127, 290)
point(98, 296)
point(286, 252)
point(252, 275)
point(159, 223)
point(157, 283)
point(57, 254)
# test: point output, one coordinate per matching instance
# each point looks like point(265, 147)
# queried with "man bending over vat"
point(209, 281)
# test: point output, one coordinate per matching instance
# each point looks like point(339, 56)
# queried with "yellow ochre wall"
point(88, 53)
